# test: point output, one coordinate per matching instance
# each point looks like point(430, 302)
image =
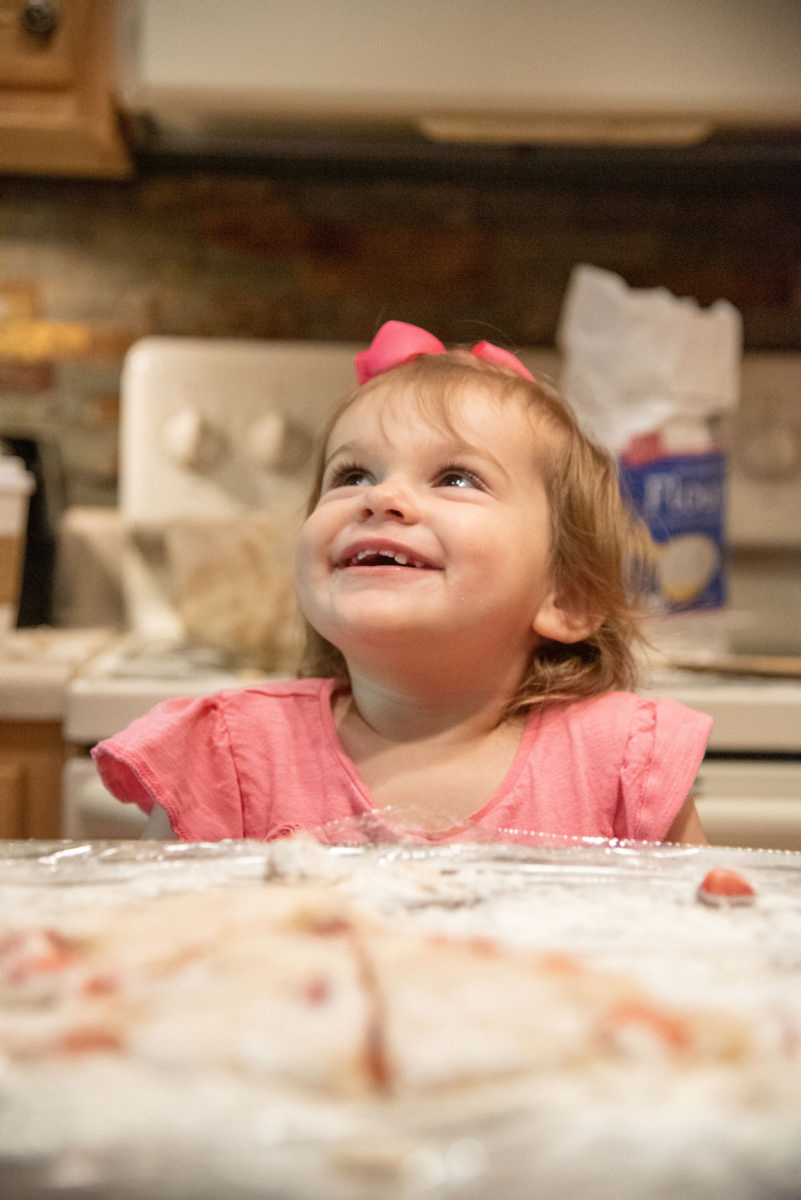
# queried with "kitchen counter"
point(36, 666)
point(658, 1049)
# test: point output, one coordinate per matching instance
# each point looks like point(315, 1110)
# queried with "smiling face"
point(431, 534)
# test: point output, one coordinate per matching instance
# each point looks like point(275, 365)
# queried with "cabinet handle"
point(41, 18)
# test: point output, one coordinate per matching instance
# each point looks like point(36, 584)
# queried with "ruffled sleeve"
point(178, 756)
point(665, 747)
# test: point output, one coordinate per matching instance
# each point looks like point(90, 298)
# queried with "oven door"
point(89, 812)
point(750, 801)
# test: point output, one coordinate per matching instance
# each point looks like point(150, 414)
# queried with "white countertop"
point(36, 667)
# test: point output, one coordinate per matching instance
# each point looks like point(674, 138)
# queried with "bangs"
point(433, 387)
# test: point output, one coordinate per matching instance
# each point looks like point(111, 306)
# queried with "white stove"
point(135, 672)
point(216, 434)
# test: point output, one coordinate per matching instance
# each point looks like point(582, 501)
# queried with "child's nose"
point(390, 499)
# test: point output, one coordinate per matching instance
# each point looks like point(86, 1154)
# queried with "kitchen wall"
point(88, 267)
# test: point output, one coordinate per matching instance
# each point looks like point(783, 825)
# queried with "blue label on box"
point(682, 499)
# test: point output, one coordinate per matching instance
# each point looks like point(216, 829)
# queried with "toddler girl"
point(462, 572)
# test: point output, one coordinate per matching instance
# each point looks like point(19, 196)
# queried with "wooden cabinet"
point(11, 799)
point(32, 755)
point(57, 112)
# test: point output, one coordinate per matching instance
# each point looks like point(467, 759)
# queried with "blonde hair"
point(594, 539)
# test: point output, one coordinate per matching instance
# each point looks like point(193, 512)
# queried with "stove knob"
point(278, 444)
point(192, 441)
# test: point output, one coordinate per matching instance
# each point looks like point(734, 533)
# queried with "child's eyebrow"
point(458, 447)
point(349, 449)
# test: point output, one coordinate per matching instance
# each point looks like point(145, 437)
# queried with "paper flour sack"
point(649, 376)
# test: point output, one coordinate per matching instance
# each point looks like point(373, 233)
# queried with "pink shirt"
point(263, 762)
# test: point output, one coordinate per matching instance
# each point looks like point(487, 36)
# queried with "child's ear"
point(564, 624)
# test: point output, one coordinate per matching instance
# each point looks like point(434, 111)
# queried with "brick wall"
point(87, 268)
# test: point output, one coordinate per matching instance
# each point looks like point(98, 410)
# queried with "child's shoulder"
point(286, 686)
point(278, 690)
point(250, 700)
point(628, 712)
point(603, 708)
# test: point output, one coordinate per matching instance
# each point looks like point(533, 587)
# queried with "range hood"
point(198, 76)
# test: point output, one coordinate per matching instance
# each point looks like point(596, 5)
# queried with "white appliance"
point(206, 75)
point(213, 427)
point(210, 428)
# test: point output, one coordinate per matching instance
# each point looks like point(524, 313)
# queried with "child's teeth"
point(397, 556)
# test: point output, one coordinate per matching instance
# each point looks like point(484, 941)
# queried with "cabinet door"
point(35, 52)
point(11, 797)
point(57, 109)
point(32, 755)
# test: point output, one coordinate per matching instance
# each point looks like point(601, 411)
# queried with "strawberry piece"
point(723, 886)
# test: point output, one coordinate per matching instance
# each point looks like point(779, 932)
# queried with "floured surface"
point(559, 1021)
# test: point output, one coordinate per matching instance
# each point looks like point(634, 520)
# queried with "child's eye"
point(348, 475)
point(459, 477)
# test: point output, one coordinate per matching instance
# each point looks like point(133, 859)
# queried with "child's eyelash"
point(465, 472)
point(340, 473)
point(348, 474)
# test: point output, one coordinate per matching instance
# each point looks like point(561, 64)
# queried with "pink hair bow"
point(397, 342)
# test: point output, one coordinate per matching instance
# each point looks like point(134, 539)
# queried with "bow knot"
point(398, 342)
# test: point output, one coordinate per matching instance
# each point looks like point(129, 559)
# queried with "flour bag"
point(651, 377)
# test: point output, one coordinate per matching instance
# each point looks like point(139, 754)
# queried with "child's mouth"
point(384, 558)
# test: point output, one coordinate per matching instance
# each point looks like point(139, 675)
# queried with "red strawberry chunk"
point(723, 886)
